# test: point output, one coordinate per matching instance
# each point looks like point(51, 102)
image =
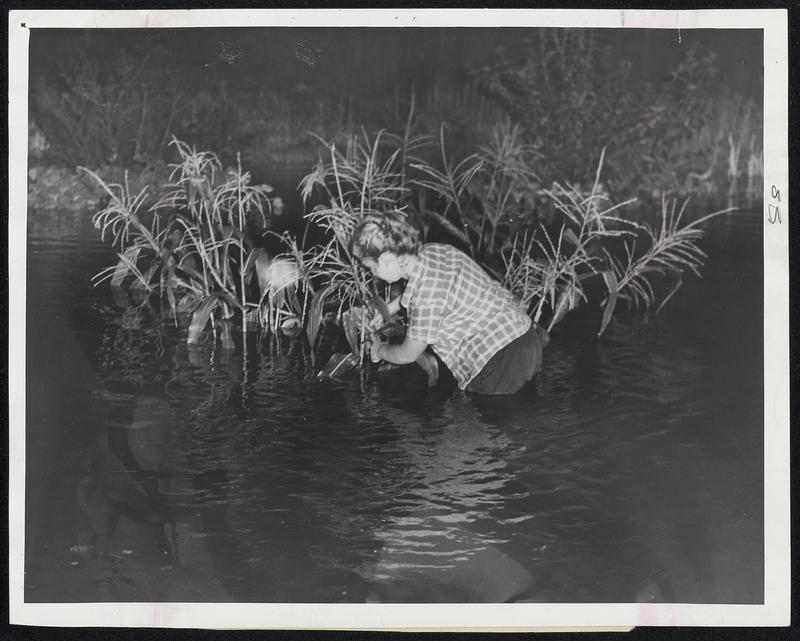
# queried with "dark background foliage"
point(663, 102)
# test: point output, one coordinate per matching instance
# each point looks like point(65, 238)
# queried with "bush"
point(573, 95)
point(122, 110)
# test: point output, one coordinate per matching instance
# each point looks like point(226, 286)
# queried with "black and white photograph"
point(312, 309)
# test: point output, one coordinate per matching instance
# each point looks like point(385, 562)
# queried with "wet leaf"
point(338, 365)
point(226, 334)
point(187, 303)
point(191, 271)
point(562, 306)
point(167, 282)
point(670, 295)
point(230, 302)
point(250, 261)
point(147, 278)
point(315, 314)
point(201, 317)
point(613, 290)
point(351, 323)
point(569, 236)
point(122, 269)
point(291, 326)
point(229, 231)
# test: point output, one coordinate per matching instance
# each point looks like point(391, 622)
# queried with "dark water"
point(631, 471)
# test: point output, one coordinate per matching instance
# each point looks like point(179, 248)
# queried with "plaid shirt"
point(455, 307)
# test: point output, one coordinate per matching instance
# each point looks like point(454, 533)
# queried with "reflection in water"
point(454, 480)
point(631, 470)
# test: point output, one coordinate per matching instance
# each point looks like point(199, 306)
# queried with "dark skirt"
point(513, 366)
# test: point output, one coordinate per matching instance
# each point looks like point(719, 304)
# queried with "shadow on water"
point(630, 470)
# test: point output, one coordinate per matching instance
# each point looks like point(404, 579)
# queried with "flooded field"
point(631, 470)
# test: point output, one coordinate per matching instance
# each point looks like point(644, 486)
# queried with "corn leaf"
point(562, 306)
point(226, 334)
point(613, 290)
point(122, 268)
point(201, 317)
point(315, 314)
point(670, 295)
point(351, 323)
point(571, 237)
point(338, 365)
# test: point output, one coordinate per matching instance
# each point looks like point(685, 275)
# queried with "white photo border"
point(776, 607)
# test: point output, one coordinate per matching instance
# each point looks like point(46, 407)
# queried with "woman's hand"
point(406, 352)
point(376, 322)
point(374, 350)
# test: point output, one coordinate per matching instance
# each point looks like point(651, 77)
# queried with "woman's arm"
point(406, 352)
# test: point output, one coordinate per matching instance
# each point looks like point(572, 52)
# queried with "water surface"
point(631, 470)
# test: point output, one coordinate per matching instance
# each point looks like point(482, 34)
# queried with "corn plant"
point(214, 211)
point(348, 285)
point(194, 251)
point(293, 271)
point(409, 143)
point(507, 186)
point(371, 174)
point(450, 184)
point(365, 174)
point(672, 250)
point(547, 269)
point(145, 252)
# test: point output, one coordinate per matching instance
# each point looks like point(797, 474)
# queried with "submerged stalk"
point(241, 248)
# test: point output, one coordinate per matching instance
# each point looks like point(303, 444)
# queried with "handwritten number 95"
point(773, 211)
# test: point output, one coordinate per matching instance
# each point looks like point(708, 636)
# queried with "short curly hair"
point(379, 232)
